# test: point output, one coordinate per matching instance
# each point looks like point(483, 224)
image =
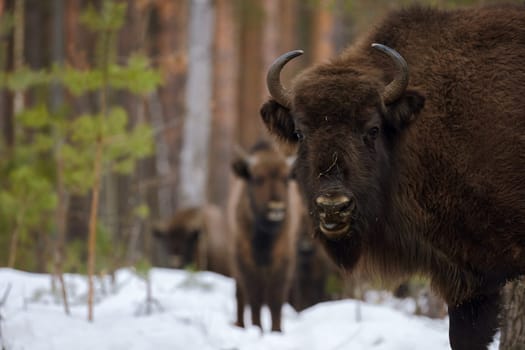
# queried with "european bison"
point(423, 175)
point(263, 223)
point(196, 236)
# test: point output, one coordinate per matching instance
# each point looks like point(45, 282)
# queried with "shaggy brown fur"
point(436, 176)
point(196, 236)
point(263, 221)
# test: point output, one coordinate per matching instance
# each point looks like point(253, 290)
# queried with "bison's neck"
point(264, 235)
point(414, 240)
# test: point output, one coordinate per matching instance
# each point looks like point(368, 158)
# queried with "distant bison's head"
point(266, 173)
point(180, 237)
point(345, 123)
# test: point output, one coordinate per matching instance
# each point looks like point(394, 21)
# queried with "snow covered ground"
point(197, 314)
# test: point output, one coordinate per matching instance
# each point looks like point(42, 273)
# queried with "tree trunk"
point(225, 96)
point(18, 51)
point(169, 33)
point(323, 46)
point(18, 102)
point(513, 320)
point(194, 152)
point(249, 126)
point(6, 108)
point(78, 42)
point(92, 233)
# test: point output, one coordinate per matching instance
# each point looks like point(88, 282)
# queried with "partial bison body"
point(314, 271)
point(196, 236)
point(411, 154)
point(263, 221)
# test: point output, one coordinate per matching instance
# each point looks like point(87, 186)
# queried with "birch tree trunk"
point(194, 151)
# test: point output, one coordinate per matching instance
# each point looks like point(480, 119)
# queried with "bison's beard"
point(345, 252)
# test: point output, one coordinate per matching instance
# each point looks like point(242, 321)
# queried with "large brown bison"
point(411, 154)
point(196, 236)
point(263, 223)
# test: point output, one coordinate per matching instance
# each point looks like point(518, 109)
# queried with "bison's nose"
point(334, 214)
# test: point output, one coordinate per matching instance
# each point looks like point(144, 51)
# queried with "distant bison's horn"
point(273, 78)
point(396, 87)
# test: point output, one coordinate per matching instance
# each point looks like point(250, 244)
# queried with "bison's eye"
point(298, 134)
point(373, 132)
point(370, 137)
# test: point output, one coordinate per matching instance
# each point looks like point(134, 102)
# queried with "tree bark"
point(169, 33)
point(92, 233)
point(249, 125)
point(513, 320)
point(323, 47)
point(194, 152)
point(225, 97)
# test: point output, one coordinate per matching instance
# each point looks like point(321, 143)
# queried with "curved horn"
point(396, 87)
point(273, 78)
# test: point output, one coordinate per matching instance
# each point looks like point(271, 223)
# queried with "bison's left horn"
point(396, 87)
point(273, 78)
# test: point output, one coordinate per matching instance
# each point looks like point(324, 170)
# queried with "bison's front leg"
point(474, 322)
point(275, 310)
point(276, 299)
point(239, 296)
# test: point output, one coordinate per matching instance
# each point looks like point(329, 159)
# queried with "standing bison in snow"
point(411, 154)
point(263, 217)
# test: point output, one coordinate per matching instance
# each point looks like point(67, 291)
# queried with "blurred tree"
point(251, 67)
point(193, 168)
point(6, 24)
point(323, 31)
point(225, 99)
point(168, 30)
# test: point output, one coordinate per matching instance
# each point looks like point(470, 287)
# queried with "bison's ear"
point(241, 168)
point(404, 111)
point(279, 122)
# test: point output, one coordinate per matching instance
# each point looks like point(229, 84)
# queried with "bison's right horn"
point(396, 87)
point(273, 78)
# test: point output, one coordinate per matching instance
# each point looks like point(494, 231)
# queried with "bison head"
point(180, 237)
point(345, 123)
point(266, 173)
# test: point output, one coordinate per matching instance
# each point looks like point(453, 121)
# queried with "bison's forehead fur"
point(336, 90)
point(268, 162)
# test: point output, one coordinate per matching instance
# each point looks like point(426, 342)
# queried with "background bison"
point(196, 236)
point(422, 175)
point(263, 217)
point(316, 277)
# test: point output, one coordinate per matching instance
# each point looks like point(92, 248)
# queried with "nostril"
point(347, 206)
